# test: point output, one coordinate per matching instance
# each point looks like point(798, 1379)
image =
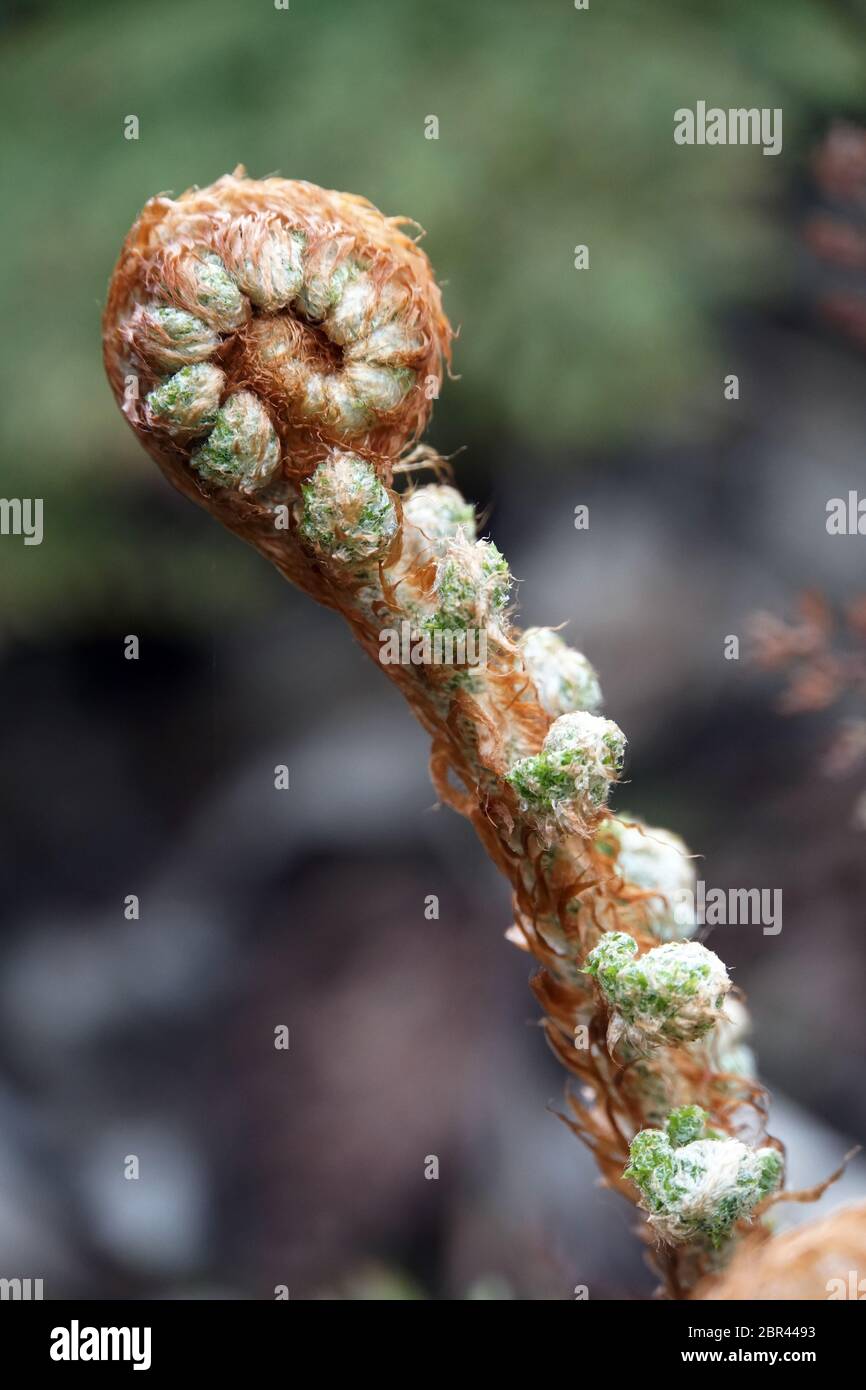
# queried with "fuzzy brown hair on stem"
point(821, 1260)
point(277, 349)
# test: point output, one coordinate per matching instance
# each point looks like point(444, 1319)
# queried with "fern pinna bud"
point(671, 994)
point(471, 589)
point(347, 515)
point(311, 301)
point(432, 516)
point(731, 1051)
point(656, 861)
point(242, 451)
point(696, 1184)
point(265, 258)
point(198, 281)
point(563, 678)
point(186, 404)
point(566, 785)
point(162, 339)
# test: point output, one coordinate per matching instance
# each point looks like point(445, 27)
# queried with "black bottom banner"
point(158, 1339)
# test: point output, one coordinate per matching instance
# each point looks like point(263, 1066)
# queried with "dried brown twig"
point(824, 660)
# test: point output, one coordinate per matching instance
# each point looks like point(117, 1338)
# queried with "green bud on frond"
point(472, 587)
point(697, 1189)
point(568, 782)
point(347, 514)
point(671, 994)
point(243, 450)
point(188, 402)
point(686, 1124)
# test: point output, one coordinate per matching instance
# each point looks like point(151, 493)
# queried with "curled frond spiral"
point(252, 325)
point(277, 349)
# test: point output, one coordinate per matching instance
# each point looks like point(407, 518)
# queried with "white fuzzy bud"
point(242, 451)
point(563, 678)
point(266, 261)
point(432, 516)
point(347, 514)
point(671, 994)
point(568, 782)
point(695, 1185)
point(730, 1050)
point(187, 403)
point(657, 861)
point(471, 589)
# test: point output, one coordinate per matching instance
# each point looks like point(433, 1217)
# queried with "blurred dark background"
point(305, 908)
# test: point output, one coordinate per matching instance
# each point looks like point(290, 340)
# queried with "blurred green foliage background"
point(555, 128)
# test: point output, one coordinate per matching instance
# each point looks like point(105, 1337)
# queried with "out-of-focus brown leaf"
point(847, 749)
point(837, 241)
point(812, 688)
point(840, 163)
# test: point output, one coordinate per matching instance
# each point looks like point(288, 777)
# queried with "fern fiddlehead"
point(277, 349)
